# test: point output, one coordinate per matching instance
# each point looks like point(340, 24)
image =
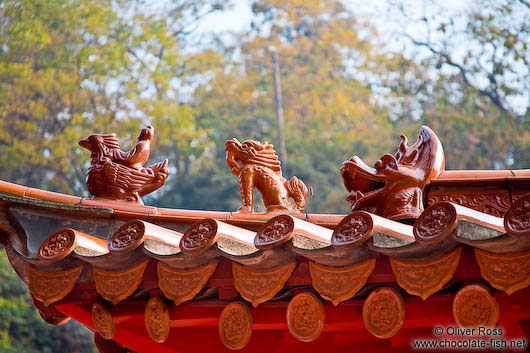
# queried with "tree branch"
point(491, 94)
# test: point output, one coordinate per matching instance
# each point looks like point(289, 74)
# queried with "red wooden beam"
point(194, 325)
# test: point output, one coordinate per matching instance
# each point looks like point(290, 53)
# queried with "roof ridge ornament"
point(118, 175)
point(257, 166)
point(394, 187)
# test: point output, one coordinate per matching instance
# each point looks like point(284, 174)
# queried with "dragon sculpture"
point(256, 165)
point(118, 175)
point(394, 187)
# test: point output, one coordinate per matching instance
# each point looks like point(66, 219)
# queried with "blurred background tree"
point(352, 81)
point(477, 94)
point(329, 112)
point(23, 331)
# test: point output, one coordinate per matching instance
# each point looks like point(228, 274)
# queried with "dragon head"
point(394, 187)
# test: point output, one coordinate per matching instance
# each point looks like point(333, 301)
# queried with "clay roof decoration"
point(257, 166)
point(118, 175)
point(459, 240)
point(394, 188)
point(517, 220)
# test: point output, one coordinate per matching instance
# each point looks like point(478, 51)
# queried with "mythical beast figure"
point(118, 175)
point(256, 165)
point(394, 187)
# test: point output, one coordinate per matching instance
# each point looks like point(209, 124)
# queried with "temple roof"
point(311, 235)
point(117, 252)
point(423, 241)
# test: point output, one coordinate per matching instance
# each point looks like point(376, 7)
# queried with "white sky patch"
point(235, 19)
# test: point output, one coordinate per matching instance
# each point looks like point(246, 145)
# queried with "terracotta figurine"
point(118, 175)
point(256, 165)
point(394, 187)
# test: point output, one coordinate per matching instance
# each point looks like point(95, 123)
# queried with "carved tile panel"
point(305, 317)
point(103, 320)
point(157, 320)
point(183, 285)
point(384, 312)
point(116, 286)
point(338, 284)
point(274, 232)
point(507, 272)
point(474, 307)
point(52, 287)
point(235, 325)
point(353, 230)
point(128, 237)
point(57, 246)
point(492, 202)
point(259, 285)
point(517, 220)
point(425, 278)
point(199, 236)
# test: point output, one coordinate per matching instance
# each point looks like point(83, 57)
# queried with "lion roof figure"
point(257, 165)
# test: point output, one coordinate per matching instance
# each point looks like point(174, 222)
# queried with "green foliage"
point(56, 59)
point(23, 330)
point(476, 96)
point(72, 68)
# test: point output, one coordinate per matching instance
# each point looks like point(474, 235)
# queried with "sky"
point(238, 17)
point(235, 19)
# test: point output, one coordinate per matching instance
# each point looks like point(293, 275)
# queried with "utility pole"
point(279, 109)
